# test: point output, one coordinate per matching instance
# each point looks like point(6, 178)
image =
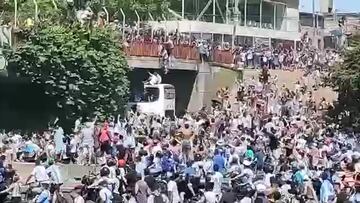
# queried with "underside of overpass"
point(25, 106)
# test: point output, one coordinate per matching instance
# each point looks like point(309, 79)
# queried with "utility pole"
point(313, 16)
point(214, 11)
point(183, 9)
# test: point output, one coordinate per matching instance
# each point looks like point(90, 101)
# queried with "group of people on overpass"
point(277, 56)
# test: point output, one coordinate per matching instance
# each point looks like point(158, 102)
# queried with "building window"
point(280, 23)
point(239, 12)
point(267, 18)
point(253, 13)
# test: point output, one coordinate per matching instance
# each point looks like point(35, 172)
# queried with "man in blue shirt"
point(327, 192)
point(219, 160)
point(189, 170)
point(44, 196)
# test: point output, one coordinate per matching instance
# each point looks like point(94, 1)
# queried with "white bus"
point(157, 99)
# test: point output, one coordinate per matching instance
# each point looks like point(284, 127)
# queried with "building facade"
point(339, 27)
point(312, 25)
point(240, 21)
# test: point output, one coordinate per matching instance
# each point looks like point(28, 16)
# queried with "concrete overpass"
point(190, 78)
point(196, 83)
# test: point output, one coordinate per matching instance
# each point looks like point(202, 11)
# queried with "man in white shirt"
point(39, 173)
point(73, 148)
point(54, 171)
point(173, 192)
point(217, 179)
point(87, 139)
point(249, 57)
point(104, 193)
point(246, 120)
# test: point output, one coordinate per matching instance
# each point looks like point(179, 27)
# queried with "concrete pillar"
point(201, 94)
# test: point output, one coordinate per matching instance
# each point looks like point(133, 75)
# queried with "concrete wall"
point(292, 16)
point(201, 94)
point(69, 172)
point(153, 63)
point(325, 5)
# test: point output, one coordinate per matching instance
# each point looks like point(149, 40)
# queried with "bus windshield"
point(151, 94)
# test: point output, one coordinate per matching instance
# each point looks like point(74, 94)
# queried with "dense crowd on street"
point(264, 144)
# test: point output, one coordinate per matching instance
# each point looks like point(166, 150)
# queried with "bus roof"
point(160, 85)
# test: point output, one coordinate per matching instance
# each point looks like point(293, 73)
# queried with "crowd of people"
point(277, 56)
point(267, 143)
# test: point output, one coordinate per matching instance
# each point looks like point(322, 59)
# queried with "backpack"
point(158, 199)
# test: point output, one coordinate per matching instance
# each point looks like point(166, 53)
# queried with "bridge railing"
point(222, 56)
point(180, 51)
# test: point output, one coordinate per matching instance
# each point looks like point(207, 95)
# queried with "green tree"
point(156, 8)
point(84, 70)
point(47, 9)
point(345, 79)
point(56, 10)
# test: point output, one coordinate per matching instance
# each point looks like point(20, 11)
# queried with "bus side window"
point(169, 93)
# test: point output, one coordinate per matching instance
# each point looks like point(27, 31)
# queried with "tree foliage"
point(156, 8)
point(47, 9)
point(84, 69)
point(57, 9)
point(345, 79)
